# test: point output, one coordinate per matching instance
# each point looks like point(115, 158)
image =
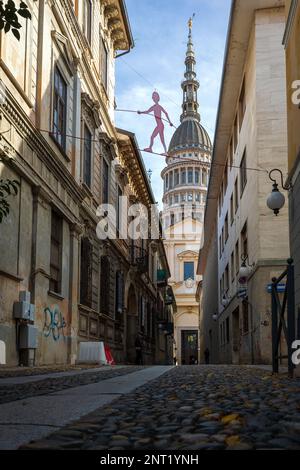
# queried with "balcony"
point(139, 258)
point(162, 279)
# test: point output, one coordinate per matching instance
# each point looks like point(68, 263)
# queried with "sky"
point(160, 33)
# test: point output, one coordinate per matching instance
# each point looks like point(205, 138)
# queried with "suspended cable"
point(165, 155)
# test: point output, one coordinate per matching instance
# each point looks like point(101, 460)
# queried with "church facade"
point(185, 178)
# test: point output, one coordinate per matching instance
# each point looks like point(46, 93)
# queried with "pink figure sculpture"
point(159, 130)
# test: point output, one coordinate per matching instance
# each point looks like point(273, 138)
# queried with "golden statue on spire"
point(190, 23)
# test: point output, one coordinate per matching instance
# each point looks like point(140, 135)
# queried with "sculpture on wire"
point(157, 109)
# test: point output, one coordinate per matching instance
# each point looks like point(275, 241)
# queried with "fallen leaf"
point(232, 440)
point(228, 418)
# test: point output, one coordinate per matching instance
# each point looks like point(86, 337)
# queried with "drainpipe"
point(123, 53)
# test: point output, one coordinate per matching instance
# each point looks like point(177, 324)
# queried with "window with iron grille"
point(105, 285)
point(86, 272)
point(59, 108)
point(56, 253)
point(87, 157)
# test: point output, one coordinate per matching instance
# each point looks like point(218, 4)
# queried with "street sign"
point(242, 293)
point(280, 288)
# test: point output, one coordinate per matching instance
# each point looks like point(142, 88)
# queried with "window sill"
point(55, 295)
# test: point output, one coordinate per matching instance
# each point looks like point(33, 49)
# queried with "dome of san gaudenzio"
point(190, 134)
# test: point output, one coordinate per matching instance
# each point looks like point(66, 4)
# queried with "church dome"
point(190, 134)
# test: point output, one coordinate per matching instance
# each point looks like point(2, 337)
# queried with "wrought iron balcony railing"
point(139, 258)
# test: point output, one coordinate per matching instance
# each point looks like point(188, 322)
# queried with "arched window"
point(86, 272)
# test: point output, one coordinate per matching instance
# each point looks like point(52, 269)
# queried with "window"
point(226, 231)
point(172, 219)
point(176, 178)
point(55, 253)
point(198, 197)
point(59, 109)
point(243, 172)
point(242, 104)
point(104, 64)
point(245, 317)
point(190, 175)
point(171, 180)
point(183, 177)
point(87, 157)
point(236, 195)
point(104, 285)
point(190, 197)
point(244, 240)
point(87, 19)
point(86, 272)
point(197, 177)
point(176, 198)
point(189, 270)
point(105, 182)
point(167, 182)
point(204, 178)
point(231, 210)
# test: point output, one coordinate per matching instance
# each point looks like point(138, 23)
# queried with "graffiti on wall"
point(54, 323)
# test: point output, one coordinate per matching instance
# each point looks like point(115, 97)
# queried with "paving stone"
point(179, 411)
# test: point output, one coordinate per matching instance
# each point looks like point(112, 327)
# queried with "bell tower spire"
point(190, 84)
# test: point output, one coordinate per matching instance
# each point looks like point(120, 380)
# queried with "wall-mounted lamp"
point(245, 269)
point(276, 199)
point(215, 316)
point(225, 301)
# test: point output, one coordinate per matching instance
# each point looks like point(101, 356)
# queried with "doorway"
point(189, 347)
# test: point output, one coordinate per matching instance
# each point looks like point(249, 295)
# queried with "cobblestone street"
point(192, 408)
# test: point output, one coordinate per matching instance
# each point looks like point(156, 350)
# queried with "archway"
point(131, 324)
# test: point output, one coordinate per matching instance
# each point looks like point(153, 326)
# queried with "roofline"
point(134, 142)
point(127, 23)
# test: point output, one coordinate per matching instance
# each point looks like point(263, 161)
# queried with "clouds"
point(160, 33)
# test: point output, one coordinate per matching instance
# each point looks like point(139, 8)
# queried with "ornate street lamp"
point(245, 269)
point(276, 199)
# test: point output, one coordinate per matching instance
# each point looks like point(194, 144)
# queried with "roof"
point(190, 134)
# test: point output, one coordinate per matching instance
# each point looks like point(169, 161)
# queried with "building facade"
point(185, 186)
point(250, 140)
point(292, 49)
point(60, 282)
